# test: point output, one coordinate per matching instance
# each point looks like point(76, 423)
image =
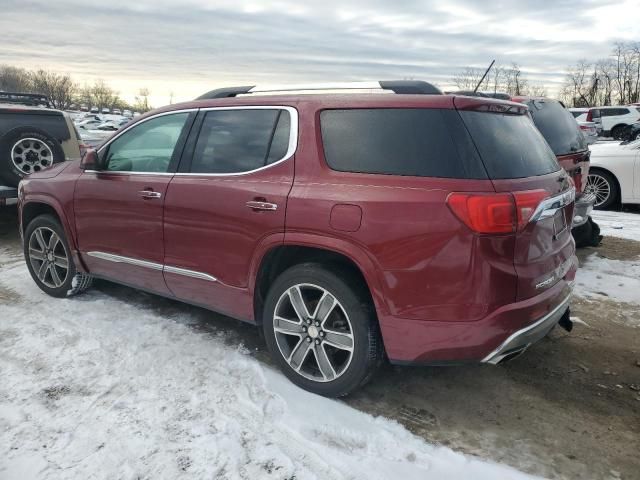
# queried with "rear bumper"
point(582, 209)
point(520, 340)
point(508, 327)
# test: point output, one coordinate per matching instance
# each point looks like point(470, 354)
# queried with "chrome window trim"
point(140, 122)
point(152, 265)
point(548, 207)
point(293, 139)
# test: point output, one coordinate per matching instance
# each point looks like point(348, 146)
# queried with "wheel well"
point(615, 179)
point(279, 259)
point(33, 210)
point(620, 125)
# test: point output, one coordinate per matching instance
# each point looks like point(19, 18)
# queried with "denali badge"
point(546, 283)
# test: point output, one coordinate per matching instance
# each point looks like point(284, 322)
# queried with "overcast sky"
point(191, 46)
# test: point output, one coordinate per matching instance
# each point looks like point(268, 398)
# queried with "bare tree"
point(142, 100)
point(60, 89)
point(469, 78)
point(514, 81)
point(14, 79)
point(538, 91)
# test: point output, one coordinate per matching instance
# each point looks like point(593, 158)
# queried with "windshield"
point(558, 126)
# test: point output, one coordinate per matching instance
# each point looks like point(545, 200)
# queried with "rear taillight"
point(495, 213)
point(590, 116)
point(526, 203)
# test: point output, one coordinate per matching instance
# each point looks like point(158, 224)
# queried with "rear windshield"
point(557, 126)
point(394, 141)
point(510, 145)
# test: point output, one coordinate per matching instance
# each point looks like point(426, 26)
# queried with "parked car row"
point(418, 227)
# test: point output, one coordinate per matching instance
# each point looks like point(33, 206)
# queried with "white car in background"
point(591, 130)
point(613, 119)
point(614, 174)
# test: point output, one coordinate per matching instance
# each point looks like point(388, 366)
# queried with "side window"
point(147, 147)
point(395, 141)
point(242, 140)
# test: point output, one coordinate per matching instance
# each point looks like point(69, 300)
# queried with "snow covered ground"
point(618, 224)
point(94, 387)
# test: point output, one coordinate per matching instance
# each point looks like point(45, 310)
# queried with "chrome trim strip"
point(152, 265)
point(293, 139)
point(108, 172)
point(494, 357)
point(120, 259)
point(190, 273)
point(548, 207)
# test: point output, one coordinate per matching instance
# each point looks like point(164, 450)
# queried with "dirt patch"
point(613, 248)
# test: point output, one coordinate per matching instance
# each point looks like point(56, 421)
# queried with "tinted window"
point(510, 145)
point(613, 112)
point(148, 146)
point(233, 141)
point(557, 126)
point(419, 142)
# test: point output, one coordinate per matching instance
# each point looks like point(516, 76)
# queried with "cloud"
point(194, 46)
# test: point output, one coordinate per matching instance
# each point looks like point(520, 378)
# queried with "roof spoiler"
point(411, 87)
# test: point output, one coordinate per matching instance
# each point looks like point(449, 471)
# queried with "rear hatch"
point(563, 135)
point(534, 197)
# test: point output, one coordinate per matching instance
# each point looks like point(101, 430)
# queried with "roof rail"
point(416, 87)
point(30, 99)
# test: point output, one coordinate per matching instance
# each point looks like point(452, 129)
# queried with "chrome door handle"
point(258, 205)
point(149, 194)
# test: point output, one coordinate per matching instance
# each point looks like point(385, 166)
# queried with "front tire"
point(49, 259)
point(321, 329)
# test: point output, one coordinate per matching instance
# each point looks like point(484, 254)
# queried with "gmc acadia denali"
point(421, 227)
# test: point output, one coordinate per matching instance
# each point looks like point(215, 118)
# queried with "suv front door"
point(118, 209)
point(227, 202)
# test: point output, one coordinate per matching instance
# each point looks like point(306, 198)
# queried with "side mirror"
point(90, 160)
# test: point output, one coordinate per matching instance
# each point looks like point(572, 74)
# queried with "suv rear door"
point(227, 202)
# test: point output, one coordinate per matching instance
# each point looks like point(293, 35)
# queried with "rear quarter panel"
point(428, 265)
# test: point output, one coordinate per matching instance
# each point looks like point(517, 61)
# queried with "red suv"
point(433, 229)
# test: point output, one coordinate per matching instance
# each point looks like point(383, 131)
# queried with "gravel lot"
point(568, 408)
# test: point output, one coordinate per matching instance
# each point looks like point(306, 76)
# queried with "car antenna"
point(483, 76)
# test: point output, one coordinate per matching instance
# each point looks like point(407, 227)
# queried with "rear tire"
point(617, 131)
point(26, 150)
point(604, 186)
point(321, 329)
point(49, 259)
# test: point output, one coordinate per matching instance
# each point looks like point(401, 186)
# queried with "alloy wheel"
point(599, 186)
point(31, 155)
point(48, 257)
point(313, 332)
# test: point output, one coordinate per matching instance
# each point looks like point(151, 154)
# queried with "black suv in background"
point(33, 136)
